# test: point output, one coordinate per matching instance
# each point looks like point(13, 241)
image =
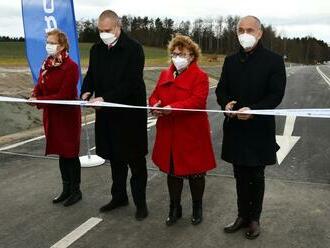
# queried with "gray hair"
point(258, 22)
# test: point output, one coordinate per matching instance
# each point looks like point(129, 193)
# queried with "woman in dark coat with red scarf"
point(62, 124)
point(183, 147)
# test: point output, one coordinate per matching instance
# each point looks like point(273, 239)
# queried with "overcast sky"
point(291, 18)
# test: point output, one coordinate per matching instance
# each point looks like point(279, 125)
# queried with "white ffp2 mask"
point(180, 63)
point(247, 40)
point(108, 38)
point(51, 49)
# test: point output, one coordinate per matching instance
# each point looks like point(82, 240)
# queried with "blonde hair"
point(182, 41)
point(61, 37)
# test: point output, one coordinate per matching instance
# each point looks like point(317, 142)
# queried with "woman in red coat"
point(183, 147)
point(58, 80)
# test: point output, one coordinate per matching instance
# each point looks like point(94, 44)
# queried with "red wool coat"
point(183, 135)
point(62, 124)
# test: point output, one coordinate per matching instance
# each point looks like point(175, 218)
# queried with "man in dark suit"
point(254, 78)
point(115, 74)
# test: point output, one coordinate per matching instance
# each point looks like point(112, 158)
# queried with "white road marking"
point(21, 143)
point(289, 125)
point(153, 176)
point(325, 77)
point(213, 83)
point(287, 141)
point(30, 140)
point(28, 155)
point(151, 122)
point(77, 233)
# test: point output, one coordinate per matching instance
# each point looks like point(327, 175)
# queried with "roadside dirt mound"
point(17, 117)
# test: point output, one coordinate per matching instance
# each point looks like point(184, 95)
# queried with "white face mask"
point(247, 40)
point(51, 49)
point(108, 38)
point(180, 63)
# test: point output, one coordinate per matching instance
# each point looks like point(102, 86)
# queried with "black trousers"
point(138, 181)
point(70, 171)
point(250, 188)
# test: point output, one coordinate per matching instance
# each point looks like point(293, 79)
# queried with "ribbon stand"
point(89, 160)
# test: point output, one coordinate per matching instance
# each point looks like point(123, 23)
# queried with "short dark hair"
point(110, 14)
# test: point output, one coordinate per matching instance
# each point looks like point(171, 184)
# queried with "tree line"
point(11, 39)
point(214, 35)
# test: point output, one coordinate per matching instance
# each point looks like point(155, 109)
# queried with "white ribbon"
point(313, 113)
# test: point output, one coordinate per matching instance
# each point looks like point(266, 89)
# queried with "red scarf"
point(52, 62)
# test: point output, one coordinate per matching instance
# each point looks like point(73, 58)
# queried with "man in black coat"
point(115, 74)
point(254, 78)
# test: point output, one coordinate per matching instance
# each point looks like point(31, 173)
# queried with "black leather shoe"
point(73, 198)
point(197, 215)
point(253, 230)
point(235, 226)
point(174, 214)
point(64, 195)
point(141, 213)
point(113, 204)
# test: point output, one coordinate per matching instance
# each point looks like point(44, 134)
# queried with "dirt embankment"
point(17, 117)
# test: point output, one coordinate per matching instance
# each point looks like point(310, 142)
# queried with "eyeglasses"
point(174, 55)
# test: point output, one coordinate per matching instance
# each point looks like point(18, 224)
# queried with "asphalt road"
point(297, 201)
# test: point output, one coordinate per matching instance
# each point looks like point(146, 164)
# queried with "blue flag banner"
point(40, 17)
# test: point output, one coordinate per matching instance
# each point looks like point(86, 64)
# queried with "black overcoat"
point(256, 80)
point(116, 74)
